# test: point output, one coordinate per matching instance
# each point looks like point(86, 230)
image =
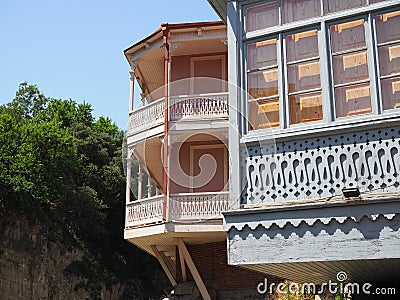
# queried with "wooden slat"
point(193, 270)
point(164, 265)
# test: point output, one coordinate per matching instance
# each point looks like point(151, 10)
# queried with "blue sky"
point(74, 49)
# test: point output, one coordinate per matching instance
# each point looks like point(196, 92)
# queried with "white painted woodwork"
point(199, 106)
point(128, 179)
point(146, 117)
point(144, 211)
point(198, 206)
point(184, 206)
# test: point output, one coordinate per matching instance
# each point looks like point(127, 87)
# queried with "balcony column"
point(128, 179)
point(132, 85)
point(143, 99)
point(149, 186)
point(140, 182)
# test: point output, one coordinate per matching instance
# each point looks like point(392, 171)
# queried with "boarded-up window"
point(303, 77)
point(339, 5)
point(350, 69)
point(262, 82)
point(388, 35)
point(262, 16)
point(296, 10)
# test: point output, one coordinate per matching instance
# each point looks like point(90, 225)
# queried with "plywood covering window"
point(262, 80)
point(324, 60)
point(388, 36)
point(262, 16)
point(339, 5)
point(303, 77)
point(350, 69)
point(296, 10)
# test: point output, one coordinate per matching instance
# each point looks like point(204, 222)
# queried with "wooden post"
point(164, 265)
point(128, 179)
point(132, 85)
point(149, 186)
point(140, 182)
point(193, 270)
point(183, 266)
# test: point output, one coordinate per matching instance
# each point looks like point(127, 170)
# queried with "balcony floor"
point(167, 234)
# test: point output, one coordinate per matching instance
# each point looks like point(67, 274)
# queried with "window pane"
point(388, 27)
point(339, 5)
point(263, 83)
point(350, 67)
point(303, 76)
point(261, 54)
point(389, 59)
point(391, 93)
point(305, 108)
point(264, 114)
point(347, 36)
point(262, 16)
point(353, 100)
point(295, 10)
point(302, 45)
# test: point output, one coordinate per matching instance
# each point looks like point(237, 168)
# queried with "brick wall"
point(211, 262)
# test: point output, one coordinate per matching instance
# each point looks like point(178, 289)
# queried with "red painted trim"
point(165, 152)
point(175, 26)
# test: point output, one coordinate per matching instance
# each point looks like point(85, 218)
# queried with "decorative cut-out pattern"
point(321, 167)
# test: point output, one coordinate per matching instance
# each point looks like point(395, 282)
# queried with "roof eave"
point(220, 7)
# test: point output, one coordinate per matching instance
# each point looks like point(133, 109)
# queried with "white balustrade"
point(181, 107)
point(147, 116)
point(198, 206)
point(144, 211)
point(199, 106)
point(186, 206)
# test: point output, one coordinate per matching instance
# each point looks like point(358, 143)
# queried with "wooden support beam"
point(171, 266)
point(183, 266)
point(197, 278)
point(163, 265)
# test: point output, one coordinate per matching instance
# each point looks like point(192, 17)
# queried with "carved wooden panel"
point(321, 167)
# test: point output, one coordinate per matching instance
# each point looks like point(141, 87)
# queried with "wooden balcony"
point(184, 107)
point(318, 164)
point(146, 117)
point(180, 207)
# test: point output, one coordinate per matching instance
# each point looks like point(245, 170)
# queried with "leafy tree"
point(64, 168)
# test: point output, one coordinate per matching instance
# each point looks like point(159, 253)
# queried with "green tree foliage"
point(61, 166)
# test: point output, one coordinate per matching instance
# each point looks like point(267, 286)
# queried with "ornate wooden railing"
point(199, 106)
point(145, 211)
point(180, 107)
point(198, 206)
point(187, 206)
point(147, 116)
point(320, 166)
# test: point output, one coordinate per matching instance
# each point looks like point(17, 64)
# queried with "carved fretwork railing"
point(199, 106)
point(321, 166)
point(147, 116)
point(198, 206)
point(187, 206)
point(145, 211)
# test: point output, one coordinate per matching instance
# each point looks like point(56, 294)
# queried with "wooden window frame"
point(367, 12)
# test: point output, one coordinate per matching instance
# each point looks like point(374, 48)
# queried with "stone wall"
point(33, 262)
